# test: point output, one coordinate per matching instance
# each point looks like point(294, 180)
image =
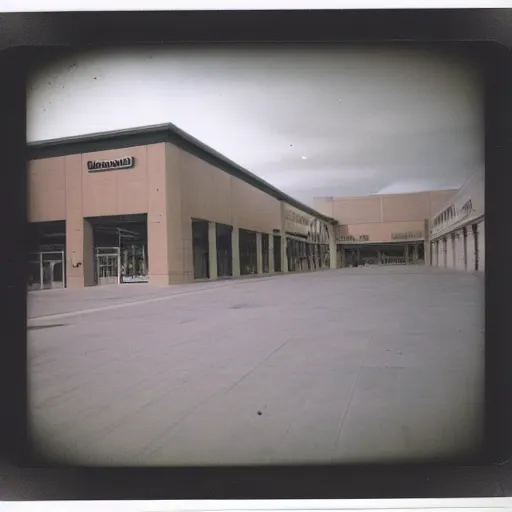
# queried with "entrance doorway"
point(46, 270)
point(277, 253)
point(120, 247)
point(47, 259)
point(108, 265)
point(224, 250)
point(247, 240)
point(200, 249)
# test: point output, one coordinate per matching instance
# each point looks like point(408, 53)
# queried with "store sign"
point(297, 218)
point(126, 162)
point(409, 235)
point(352, 238)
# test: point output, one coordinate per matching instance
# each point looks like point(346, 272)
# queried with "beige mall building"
point(442, 228)
point(154, 204)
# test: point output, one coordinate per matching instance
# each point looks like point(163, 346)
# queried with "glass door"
point(107, 265)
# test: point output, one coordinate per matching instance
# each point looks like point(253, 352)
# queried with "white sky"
point(368, 119)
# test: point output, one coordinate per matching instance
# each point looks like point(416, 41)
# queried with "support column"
point(235, 251)
point(284, 259)
point(88, 255)
point(415, 254)
point(212, 250)
point(333, 256)
point(271, 265)
point(170, 245)
point(427, 255)
point(259, 254)
point(379, 257)
point(406, 254)
point(79, 248)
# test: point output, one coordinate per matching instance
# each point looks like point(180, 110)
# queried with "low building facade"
point(458, 229)
point(154, 204)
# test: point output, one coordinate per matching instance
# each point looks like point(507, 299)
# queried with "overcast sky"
point(313, 121)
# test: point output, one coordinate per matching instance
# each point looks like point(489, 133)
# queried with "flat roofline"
point(387, 194)
point(147, 135)
point(473, 177)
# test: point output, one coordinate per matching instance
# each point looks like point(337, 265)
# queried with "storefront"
point(309, 241)
point(154, 204)
point(400, 248)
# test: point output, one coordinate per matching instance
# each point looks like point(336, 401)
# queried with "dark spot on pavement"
point(259, 413)
point(241, 306)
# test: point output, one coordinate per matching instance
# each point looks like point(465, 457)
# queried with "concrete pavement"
point(348, 365)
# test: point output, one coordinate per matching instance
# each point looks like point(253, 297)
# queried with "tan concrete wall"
point(405, 207)
point(159, 227)
point(113, 192)
point(381, 232)
point(296, 221)
point(357, 210)
point(324, 205)
point(212, 194)
point(169, 184)
point(380, 216)
point(62, 188)
point(116, 192)
point(383, 208)
point(46, 183)
point(76, 250)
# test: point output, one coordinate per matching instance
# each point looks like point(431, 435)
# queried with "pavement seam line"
point(352, 393)
point(67, 314)
point(117, 306)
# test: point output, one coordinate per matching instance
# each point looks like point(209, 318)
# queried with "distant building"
point(442, 228)
point(383, 229)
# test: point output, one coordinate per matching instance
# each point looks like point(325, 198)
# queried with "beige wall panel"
point(382, 232)
point(158, 236)
point(206, 190)
point(115, 192)
point(324, 205)
point(74, 224)
point(214, 195)
point(46, 182)
point(405, 207)
point(357, 210)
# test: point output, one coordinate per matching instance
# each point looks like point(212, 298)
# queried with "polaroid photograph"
point(247, 254)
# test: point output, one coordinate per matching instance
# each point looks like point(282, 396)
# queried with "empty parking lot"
point(341, 365)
